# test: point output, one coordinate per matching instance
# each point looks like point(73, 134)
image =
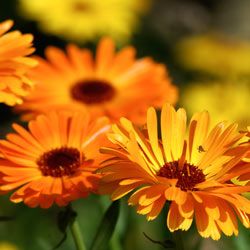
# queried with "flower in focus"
point(114, 84)
point(194, 174)
point(85, 20)
point(224, 100)
point(14, 64)
point(215, 54)
point(54, 160)
point(246, 144)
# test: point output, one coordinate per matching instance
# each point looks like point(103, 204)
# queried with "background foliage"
point(167, 22)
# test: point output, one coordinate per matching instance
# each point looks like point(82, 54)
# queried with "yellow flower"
point(81, 20)
point(225, 101)
point(14, 64)
point(191, 172)
point(7, 246)
point(215, 54)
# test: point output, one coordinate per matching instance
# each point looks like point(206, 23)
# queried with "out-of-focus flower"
point(81, 20)
point(14, 64)
point(225, 101)
point(54, 161)
point(7, 246)
point(113, 84)
point(194, 174)
point(215, 54)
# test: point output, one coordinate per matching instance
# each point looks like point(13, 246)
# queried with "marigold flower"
point(115, 84)
point(86, 20)
point(246, 144)
point(54, 160)
point(14, 64)
point(247, 140)
point(194, 174)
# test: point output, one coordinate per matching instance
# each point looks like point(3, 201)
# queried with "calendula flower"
point(214, 97)
point(194, 173)
point(246, 143)
point(14, 64)
point(215, 54)
point(84, 20)
point(54, 160)
point(114, 84)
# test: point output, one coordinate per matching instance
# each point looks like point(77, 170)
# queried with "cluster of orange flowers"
point(71, 149)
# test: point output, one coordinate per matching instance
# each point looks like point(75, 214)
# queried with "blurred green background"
point(221, 89)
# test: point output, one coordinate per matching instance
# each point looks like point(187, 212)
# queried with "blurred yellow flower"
point(214, 54)
point(84, 20)
point(224, 101)
point(4, 245)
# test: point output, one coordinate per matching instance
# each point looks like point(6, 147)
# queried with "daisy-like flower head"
point(193, 173)
point(54, 160)
point(85, 20)
point(14, 64)
point(114, 84)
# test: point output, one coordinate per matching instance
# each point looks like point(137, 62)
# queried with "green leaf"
point(106, 228)
point(65, 218)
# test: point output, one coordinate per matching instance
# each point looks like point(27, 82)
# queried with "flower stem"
point(177, 235)
point(77, 236)
point(114, 243)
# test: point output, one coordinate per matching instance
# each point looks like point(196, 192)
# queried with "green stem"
point(177, 235)
point(114, 243)
point(77, 235)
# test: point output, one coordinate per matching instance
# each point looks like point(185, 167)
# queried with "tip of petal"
point(6, 25)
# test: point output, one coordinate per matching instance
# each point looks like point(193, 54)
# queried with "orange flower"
point(14, 64)
point(246, 160)
point(54, 161)
point(247, 144)
point(114, 84)
point(194, 174)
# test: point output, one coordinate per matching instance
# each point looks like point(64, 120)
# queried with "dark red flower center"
point(59, 162)
point(80, 6)
point(188, 175)
point(92, 91)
